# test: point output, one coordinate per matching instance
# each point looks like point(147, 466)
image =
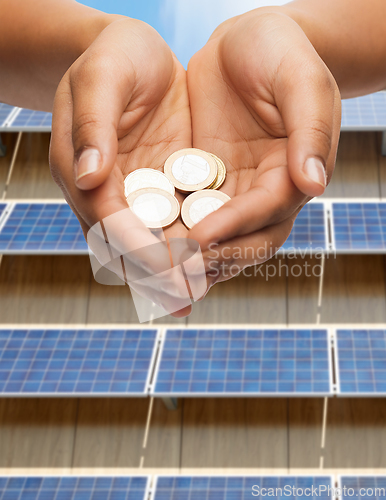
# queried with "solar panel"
point(364, 113)
point(222, 362)
point(2, 208)
point(5, 111)
point(74, 487)
point(36, 228)
point(241, 487)
point(362, 486)
point(30, 120)
point(359, 227)
point(76, 362)
point(361, 362)
point(309, 231)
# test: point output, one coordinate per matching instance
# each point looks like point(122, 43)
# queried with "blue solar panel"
point(74, 488)
point(309, 231)
point(359, 227)
point(42, 228)
point(241, 487)
point(361, 362)
point(2, 208)
point(5, 111)
point(28, 119)
point(364, 113)
point(68, 362)
point(243, 362)
point(363, 486)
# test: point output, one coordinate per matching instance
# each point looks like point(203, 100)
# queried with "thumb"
point(98, 105)
point(311, 112)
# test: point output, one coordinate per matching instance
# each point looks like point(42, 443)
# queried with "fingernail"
point(314, 170)
point(88, 163)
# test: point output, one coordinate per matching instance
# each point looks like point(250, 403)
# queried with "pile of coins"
point(150, 193)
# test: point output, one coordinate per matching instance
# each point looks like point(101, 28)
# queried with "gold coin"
point(147, 178)
point(221, 173)
point(155, 207)
point(191, 169)
point(200, 204)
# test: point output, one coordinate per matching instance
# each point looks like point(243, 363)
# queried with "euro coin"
point(200, 204)
point(221, 173)
point(147, 178)
point(155, 207)
point(191, 170)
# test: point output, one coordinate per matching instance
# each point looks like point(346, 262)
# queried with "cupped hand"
point(122, 105)
point(263, 100)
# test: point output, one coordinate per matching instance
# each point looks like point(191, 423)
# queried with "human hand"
point(264, 101)
point(122, 105)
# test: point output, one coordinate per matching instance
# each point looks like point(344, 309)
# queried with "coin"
point(147, 178)
point(221, 173)
point(200, 204)
point(155, 207)
point(191, 169)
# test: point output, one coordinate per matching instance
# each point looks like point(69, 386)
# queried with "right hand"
point(122, 105)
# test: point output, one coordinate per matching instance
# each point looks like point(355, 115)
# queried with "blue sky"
point(184, 24)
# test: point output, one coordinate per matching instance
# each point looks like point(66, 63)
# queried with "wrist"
point(92, 27)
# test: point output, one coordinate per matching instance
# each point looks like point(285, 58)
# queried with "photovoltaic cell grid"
point(361, 362)
point(366, 112)
point(89, 362)
point(5, 111)
point(309, 231)
point(372, 486)
point(240, 488)
point(42, 228)
point(359, 226)
point(28, 119)
point(243, 362)
point(2, 208)
point(73, 488)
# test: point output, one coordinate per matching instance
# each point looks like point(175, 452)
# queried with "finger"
point(272, 198)
point(309, 102)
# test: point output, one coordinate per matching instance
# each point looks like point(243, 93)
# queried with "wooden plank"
point(37, 432)
point(255, 299)
point(235, 433)
point(303, 289)
point(44, 289)
point(31, 177)
point(354, 290)
point(356, 171)
point(356, 433)
point(305, 432)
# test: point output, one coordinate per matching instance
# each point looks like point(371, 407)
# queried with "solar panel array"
point(359, 227)
point(74, 487)
point(309, 231)
point(5, 111)
point(364, 113)
point(361, 362)
point(250, 362)
point(241, 487)
point(363, 486)
point(29, 120)
point(68, 361)
point(42, 228)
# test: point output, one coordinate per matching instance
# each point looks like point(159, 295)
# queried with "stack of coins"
point(150, 193)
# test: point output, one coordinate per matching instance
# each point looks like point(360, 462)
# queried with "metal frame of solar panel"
point(237, 487)
point(101, 487)
point(41, 227)
point(360, 224)
point(365, 113)
point(361, 370)
point(87, 361)
point(222, 357)
point(357, 482)
point(310, 224)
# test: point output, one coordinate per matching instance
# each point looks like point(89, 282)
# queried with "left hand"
point(264, 101)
